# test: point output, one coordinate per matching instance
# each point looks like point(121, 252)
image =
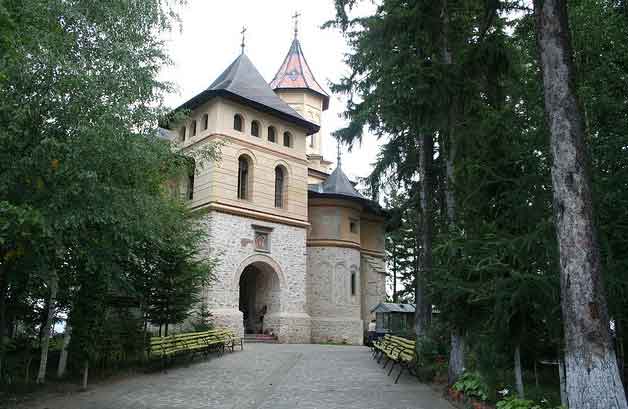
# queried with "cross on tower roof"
point(339, 154)
point(243, 37)
point(296, 23)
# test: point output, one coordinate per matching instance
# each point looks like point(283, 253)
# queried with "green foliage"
point(516, 403)
point(84, 176)
point(202, 318)
point(472, 385)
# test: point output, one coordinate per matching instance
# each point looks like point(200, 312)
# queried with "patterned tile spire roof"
point(295, 73)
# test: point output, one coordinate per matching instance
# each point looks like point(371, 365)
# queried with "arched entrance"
point(259, 298)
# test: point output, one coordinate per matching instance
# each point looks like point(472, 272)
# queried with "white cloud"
point(210, 40)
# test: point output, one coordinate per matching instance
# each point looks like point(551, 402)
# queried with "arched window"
point(190, 189)
point(353, 283)
point(255, 128)
point(287, 139)
point(205, 121)
point(272, 134)
point(280, 186)
point(244, 178)
point(238, 122)
point(193, 128)
point(183, 132)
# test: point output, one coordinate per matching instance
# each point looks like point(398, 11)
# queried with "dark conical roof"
point(338, 186)
point(295, 73)
point(243, 83)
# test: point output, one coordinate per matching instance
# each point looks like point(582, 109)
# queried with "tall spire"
point(295, 73)
point(243, 32)
point(296, 23)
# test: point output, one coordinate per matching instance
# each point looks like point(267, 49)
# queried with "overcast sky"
point(210, 40)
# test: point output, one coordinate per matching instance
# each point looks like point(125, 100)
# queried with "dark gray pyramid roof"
point(243, 83)
point(337, 184)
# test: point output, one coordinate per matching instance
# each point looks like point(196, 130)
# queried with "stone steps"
point(260, 338)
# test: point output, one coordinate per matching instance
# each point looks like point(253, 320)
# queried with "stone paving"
point(263, 377)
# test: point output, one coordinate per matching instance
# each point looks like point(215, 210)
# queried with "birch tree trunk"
point(424, 268)
point(85, 375)
point(45, 339)
point(592, 376)
point(518, 372)
point(63, 358)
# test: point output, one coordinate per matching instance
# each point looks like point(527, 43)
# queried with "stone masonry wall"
point(230, 239)
point(334, 311)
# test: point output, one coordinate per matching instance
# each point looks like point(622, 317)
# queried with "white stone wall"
point(335, 312)
point(230, 239)
point(373, 285)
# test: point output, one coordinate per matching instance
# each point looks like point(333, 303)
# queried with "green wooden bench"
point(189, 343)
point(400, 351)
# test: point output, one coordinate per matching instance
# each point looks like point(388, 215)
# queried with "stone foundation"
point(338, 331)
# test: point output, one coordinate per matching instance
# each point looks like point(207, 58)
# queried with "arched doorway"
point(259, 298)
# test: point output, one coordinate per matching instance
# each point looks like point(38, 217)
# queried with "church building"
point(300, 250)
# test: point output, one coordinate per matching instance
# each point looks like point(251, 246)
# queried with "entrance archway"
point(259, 298)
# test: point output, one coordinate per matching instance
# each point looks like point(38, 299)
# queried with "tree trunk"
point(63, 358)
point(424, 267)
point(394, 274)
point(45, 339)
point(561, 379)
point(456, 357)
point(85, 375)
point(519, 373)
point(592, 376)
point(3, 319)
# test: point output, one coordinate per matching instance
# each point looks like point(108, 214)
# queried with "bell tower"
point(296, 85)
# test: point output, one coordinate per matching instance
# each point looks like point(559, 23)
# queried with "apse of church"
point(301, 251)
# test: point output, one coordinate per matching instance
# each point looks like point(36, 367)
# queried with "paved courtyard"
point(263, 377)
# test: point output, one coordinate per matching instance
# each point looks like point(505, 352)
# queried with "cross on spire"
point(296, 23)
point(339, 157)
point(243, 32)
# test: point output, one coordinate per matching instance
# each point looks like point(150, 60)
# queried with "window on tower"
point(255, 128)
point(272, 134)
point(280, 186)
point(205, 121)
point(193, 128)
point(244, 177)
point(190, 190)
point(238, 122)
point(287, 139)
point(353, 283)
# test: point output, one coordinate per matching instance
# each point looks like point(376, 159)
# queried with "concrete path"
point(263, 377)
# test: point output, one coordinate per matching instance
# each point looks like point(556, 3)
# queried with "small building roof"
point(389, 307)
point(242, 82)
point(295, 73)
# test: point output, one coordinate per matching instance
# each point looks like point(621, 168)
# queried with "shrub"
point(472, 385)
point(516, 403)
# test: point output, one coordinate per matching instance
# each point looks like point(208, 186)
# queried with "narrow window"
point(279, 186)
point(191, 186)
point(190, 189)
point(272, 134)
point(183, 131)
point(255, 128)
point(193, 128)
point(205, 121)
point(353, 283)
point(353, 226)
point(238, 122)
point(243, 178)
point(287, 139)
